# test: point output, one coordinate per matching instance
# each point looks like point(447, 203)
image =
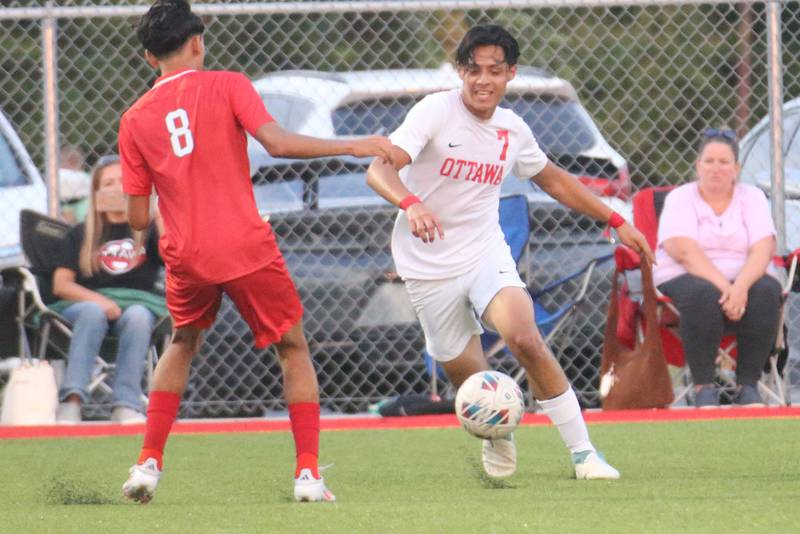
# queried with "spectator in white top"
point(451, 154)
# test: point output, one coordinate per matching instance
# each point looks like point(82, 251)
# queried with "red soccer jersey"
point(186, 136)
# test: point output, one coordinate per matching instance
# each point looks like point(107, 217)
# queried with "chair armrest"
point(49, 315)
point(14, 276)
point(790, 262)
point(626, 259)
point(27, 282)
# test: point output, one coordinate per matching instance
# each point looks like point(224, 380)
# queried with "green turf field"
point(718, 476)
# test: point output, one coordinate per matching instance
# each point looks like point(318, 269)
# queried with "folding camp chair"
point(41, 239)
point(647, 206)
point(554, 321)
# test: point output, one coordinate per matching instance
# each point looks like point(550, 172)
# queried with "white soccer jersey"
point(458, 164)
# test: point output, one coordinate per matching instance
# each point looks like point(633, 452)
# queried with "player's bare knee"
point(528, 346)
point(292, 345)
point(292, 351)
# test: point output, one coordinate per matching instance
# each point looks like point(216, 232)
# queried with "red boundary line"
point(217, 426)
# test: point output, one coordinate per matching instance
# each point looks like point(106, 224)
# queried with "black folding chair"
point(41, 238)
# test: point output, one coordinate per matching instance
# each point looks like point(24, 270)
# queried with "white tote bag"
point(31, 395)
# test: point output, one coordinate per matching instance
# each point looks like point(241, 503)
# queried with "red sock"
point(304, 417)
point(161, 413)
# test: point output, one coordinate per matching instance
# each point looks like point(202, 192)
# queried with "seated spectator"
point(73, 184)
point(716, 240)
point(105, 277)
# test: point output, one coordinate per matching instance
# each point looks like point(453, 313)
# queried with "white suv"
point(21, 187)
point(755, 160)
point(357, 103)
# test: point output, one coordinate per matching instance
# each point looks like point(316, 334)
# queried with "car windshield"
point(11, 173)
point(756, 156)
point(560, 126)
point(345, 188)
point(279, 196)
point(288, 111)
point(342, 190)
point(378, 116)
point(349, 189)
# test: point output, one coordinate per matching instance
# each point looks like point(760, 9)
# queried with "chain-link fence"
point(618, 95)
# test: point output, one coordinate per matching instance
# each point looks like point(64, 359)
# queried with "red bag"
point(634, 378)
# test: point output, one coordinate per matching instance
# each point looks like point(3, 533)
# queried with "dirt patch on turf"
point(61, 490)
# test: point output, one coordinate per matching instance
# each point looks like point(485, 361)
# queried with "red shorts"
point(266, 299)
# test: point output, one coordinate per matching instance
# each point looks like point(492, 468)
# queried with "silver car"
point(357, 103)
point(21, 187)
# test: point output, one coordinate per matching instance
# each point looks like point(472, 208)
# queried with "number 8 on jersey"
point(180, 134)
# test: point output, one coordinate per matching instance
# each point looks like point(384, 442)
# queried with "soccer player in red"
point(186, 137)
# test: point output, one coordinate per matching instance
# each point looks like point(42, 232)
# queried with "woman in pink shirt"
point(716, 240)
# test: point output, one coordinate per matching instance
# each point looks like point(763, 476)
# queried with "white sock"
point(565, 412)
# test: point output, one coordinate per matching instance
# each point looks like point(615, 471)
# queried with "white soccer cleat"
point(499, 457)
point(590, 465)
point(310, 489)
point(142, 482)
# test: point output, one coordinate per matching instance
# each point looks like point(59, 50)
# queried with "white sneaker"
point(68, 413)
point(142, 482)
point(127, 416)
point(310, 489)
point(590, 465)
point(500, 457)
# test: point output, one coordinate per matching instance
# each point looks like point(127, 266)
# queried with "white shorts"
point(450, 309)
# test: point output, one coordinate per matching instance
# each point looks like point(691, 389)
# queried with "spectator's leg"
point(757, 330)
point(134, 329)
point(702, 323)
point(89, 327)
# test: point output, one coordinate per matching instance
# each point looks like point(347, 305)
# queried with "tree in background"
point(651, 77)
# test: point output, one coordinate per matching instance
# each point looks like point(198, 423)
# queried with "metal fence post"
point(50, 94)
point(775, 92)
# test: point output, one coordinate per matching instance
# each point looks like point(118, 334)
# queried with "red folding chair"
point(647, 205)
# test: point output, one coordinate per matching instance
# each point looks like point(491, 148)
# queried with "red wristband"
point(410, 200)
point(616, 220)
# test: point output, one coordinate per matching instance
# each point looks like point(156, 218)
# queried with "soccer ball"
point(489, 405)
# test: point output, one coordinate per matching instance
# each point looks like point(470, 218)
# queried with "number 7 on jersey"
point(180, 136)
point(502, 135)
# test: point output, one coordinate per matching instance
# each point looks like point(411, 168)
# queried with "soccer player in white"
point(451, 154)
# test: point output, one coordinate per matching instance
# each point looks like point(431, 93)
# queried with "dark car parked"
point(334, 232)
point(363, 337)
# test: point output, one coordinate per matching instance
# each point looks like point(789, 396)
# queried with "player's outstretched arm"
point(384, 179)
point(565, 188)
point(284, 144)
point(139, 211)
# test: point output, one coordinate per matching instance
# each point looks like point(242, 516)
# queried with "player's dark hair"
point(487, 34)
point(166, 26)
